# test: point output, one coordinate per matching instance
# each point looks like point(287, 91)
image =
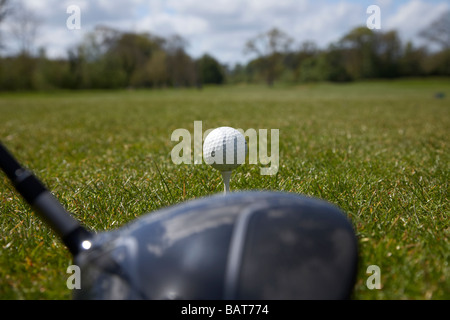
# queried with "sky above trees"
point(219, 27)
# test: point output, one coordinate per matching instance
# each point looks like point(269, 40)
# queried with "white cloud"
point(384, 3)
point(165, 25)
point(414, 16)
point(329, 22)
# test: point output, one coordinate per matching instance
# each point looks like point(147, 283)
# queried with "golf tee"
point(226, 176)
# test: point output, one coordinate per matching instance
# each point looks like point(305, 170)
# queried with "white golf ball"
point(225, 149)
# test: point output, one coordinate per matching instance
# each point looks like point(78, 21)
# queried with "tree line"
point(111, 59)
point(360, 54)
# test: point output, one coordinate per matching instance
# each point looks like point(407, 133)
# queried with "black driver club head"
point(244, 245)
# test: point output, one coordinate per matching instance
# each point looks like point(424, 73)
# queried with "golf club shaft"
point(48, 207)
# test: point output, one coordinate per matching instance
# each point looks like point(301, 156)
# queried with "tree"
point(181, 68)
point(18, 72)
point(438, 63)
point(331, 67)
point(210, 70)
point(91, 63)
point(156, 69)
point(5, 10)
point(439, 31)
point(239, 73)
point(359, 53)
point(293, 60)
point(269, 47)
point(132, 51)
point(325, 66)
point(24, 27)
point(388, 54)
point(108, 58)
point(309, 69)
point(412, 60)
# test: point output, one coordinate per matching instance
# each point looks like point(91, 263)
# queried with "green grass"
point(379, 150)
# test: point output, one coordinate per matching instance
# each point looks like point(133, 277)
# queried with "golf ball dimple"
point(225, 149)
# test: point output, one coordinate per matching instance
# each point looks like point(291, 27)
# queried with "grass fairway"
point(378, 150)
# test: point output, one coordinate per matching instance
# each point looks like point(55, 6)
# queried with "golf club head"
point(245, 245)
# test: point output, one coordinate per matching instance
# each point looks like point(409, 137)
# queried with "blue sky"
point(221, 27)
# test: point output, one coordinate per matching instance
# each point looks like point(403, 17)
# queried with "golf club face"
point(245, 245)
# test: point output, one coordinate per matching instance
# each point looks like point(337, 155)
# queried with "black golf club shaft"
point(48, 207)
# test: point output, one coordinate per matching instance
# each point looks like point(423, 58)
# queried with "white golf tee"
point(226, 176)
